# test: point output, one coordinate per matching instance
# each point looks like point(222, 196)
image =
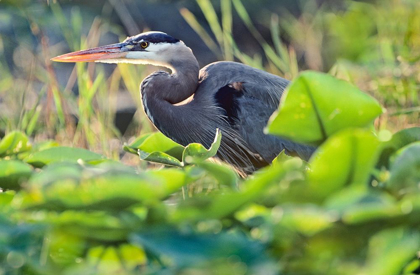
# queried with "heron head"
point(156, 48)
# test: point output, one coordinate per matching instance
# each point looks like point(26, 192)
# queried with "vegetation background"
point(51, 221)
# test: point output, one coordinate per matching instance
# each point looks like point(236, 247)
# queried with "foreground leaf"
point(226, 204)
point(391, 250)
point(195, 152)
point(405, 172)
point(157, 148)
point(14, 143)
point(13, 173)
point(316, 105)
point(222, 173)
point(70, 186)
point(61, 154)
point(346, 158)
point(398, 141)
point(189, 249)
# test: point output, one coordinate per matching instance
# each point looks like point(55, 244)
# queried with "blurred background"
point(373, 44)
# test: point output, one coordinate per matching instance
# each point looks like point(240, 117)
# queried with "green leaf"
point(316, 105)
point(196, 153)
point(364, 207)
point(114, 226)
point(307, 220)
point(399, 140)
point(13, 173)
point(158, 148)
point(6, 197)
point(20, 245)
point(189, 249)
point(14, 143)
point(222, 173)
point(346, 158)
point(112, 259)
point(391, 250)
point(61, 154)
point(64, 186)
point(40, 146)
point(405, 170)
point(220, 206)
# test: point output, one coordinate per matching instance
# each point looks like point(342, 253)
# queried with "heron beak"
point(113, 51)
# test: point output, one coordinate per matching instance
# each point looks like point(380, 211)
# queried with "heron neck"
point(161, 91)
point(183, 81)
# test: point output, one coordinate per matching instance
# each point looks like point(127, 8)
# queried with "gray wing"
point(247, 97)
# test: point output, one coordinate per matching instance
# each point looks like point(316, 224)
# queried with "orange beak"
point(114, 51)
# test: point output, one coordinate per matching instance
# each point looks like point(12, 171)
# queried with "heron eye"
point(144, 44)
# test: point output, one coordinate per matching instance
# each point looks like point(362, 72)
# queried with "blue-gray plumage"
point(188, 104)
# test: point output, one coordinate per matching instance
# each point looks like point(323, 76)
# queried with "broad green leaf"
point(61, 154)
point(64, 247)
point(222, 173)
point(43, 145)
point(399, 140)
point(224, 205)
point(160, 157)
point(6, 197)
point(40, 146)
point(357, 204)
point(13, 173)
point(405, 170)
point(391, 250)
point(114, 226)
point(346, 158)
point(112, 259)
point(316, 105)
point(158, 148)
point(20, 245)
point(14, 143)
point(190, 249)
point(133, 147)
point(371, 212)
point(306, 220)
point(196, 153)
point(411, 267)
point(63, 186)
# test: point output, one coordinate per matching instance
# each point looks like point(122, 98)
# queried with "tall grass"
point(56, 111)
point(280, 58)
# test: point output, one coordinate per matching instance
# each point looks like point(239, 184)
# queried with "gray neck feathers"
point(177, 86)
point(161, 90)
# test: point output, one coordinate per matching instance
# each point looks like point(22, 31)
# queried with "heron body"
point(188, 104)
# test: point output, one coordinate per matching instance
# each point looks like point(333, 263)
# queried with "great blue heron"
point(189, 104)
